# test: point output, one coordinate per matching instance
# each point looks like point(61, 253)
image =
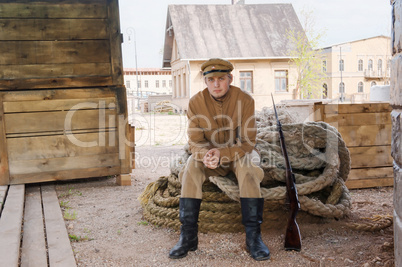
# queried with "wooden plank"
point(366, 135)
point(53, 9)
point(4, 171)
point(64, 175)
point(58, 121)
point(369, 183)
point(59, 105)
point(3, 192)
point(60, 146)
point(115, 43)
point(357, 108)
point(53, 29)
point(357, 119)
point(33, 251)
point(54, 52)
point(63, 164)
point(59, 247)
point(52, 94)
point(371, 173)
point(49, 71)
point(29, 84)
point(371, 156)
point(10, 226)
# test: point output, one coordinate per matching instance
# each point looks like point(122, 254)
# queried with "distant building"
point(151, 81)
point(252, 37)
point(354, 67)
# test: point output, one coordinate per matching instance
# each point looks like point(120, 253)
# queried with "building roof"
point(229, 31)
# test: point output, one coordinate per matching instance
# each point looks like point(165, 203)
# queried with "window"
point(324, 66)
point(360, 87)
point(379, 67)
point(324, 90)
point(360, 65)
point(341, 65)
point(139, 84)
point(246, 81)
point(170, 83)
point(157, 83)
point(164, 83)
point(281, 80)
point(373, 84)
point(146, 83)
point(128, 84)
point(370, 64)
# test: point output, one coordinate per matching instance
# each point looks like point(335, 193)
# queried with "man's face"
point(218, 86)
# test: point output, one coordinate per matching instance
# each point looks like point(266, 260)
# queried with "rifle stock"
point(292, 237)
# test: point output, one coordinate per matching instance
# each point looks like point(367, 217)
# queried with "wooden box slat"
point(53, 9)
point(358, 119)
point(366, 135)
point(53, 29)
point(371, 156)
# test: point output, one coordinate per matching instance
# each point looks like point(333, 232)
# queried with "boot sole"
point(184, 255)
point(258, 259)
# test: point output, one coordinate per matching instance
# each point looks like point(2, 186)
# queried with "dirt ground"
point(107, 228)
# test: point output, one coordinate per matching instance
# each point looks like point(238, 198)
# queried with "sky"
point(341, 21)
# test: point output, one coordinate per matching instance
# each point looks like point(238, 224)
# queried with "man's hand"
point(211, 158)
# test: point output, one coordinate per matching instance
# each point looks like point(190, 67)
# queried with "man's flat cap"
point(216, 67)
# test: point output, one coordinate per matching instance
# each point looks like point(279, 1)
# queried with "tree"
point(306, 56)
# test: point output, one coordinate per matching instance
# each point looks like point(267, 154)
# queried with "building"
point(151, 81)
point(354, 67)
point(252, 37)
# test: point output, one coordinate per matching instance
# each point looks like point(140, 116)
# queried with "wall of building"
point(396, 103)
point(372, 48)
point(152, 81)
point(263, 72)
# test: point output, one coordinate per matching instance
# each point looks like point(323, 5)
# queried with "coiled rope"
point(319, 159)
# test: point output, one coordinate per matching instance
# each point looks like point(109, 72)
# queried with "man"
point(221, 135)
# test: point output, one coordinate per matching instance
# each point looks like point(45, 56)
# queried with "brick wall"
point(396, 103)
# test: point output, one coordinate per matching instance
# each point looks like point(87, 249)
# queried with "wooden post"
point(4, 169)
point(123, 179)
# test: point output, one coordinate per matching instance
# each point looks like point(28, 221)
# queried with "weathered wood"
point(29, 84)
point(53, 29)
point(53, 9)
point(52, 94)
point(60, 146)
point(357, 119)
point(366, 135)
point(357, 108)
point(59, 105)
point(10, 226)
point(115, 42)
point(370, 173)
point(371, 156)
point(58, 120)
point(59, 247)
point(48, 52)
point(123, 179)
point(49, 71)
point(33, 251)
point(63, 164)
point(369, 183)
point(4, 173)
point(3, 192)
point(64, 175)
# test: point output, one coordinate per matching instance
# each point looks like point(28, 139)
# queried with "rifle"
point(292, 237)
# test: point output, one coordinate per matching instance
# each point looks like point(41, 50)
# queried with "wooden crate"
point(366, 130)
point(63, 109)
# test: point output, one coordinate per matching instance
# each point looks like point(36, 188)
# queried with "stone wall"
point(396, 103)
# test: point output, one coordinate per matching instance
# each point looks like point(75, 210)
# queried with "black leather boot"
point(189, 211)
point(252, 209)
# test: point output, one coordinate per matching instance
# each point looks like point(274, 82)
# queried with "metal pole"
point(130, 31)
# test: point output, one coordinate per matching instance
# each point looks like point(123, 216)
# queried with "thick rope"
point(320, 161)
